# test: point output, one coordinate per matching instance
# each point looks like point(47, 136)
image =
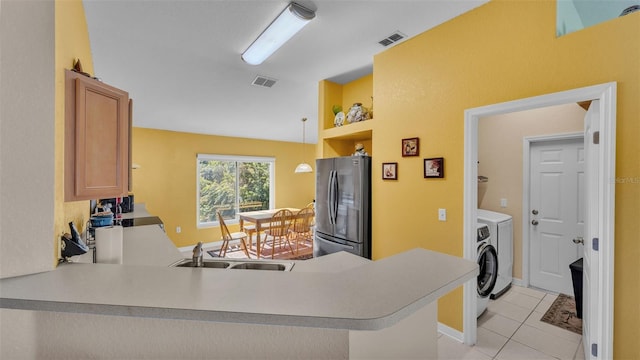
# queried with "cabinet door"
point(98, 140)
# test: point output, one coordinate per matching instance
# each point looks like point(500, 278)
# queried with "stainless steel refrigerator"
point(343, 206)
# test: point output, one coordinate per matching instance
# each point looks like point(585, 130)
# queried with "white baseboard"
point(518, 282)
point(450, 332)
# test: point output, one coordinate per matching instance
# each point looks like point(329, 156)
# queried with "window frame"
point(236, 159)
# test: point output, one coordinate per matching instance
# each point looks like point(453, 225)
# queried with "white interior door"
point(556, 214)
point(591, 309)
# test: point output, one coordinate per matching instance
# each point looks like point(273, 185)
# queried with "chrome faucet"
point(198, 256)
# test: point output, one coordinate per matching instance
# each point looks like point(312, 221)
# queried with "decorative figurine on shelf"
point(357, 112)
point(77, 67)
point(338, 120)
point(360, 151)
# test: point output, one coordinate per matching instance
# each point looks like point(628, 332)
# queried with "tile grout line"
point(518, 328)
point(531, 312)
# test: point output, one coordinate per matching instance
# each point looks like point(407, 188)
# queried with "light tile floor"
point(511, 329)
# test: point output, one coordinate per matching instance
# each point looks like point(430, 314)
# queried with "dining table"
point(260, 218)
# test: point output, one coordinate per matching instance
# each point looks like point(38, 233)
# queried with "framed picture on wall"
point(434, 168)
point(390, 171)
point(411, 147)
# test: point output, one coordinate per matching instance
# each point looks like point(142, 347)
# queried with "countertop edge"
point(394, 315)
point(196, 315)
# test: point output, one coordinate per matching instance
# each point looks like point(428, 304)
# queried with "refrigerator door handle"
point(334, 201)
point(336, 245)
point(330, 197)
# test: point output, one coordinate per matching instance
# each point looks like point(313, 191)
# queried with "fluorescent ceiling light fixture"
point(293, 18)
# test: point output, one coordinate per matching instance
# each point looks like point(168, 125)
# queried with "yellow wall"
point(358, 91)
point(166, 179)
point(72, 41)
point(329, 94)
point(501, 51)
point(500, 159)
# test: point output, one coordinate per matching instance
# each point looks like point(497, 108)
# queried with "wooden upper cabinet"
point(97, 143)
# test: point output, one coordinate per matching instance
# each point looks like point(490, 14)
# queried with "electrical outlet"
point(503, 202)
point(442, 214)
point(178, 229)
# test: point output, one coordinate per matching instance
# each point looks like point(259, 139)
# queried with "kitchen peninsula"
point(335, 306)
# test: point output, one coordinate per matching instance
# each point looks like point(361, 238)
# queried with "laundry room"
point(524, 183)
point(501, 143)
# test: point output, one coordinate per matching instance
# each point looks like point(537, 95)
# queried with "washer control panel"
point(483, 232)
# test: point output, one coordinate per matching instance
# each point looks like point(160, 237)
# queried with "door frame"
point(527, 142)
point(606, 93)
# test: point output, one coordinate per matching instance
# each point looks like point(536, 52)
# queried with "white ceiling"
point(180, 59)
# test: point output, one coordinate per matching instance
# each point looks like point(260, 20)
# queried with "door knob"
point(534, 222)
point(578, 240)
point(534, 212)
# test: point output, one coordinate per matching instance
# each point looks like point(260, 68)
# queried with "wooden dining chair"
point(312, 206)
point(228, 236)
point(301, 229)
point(279, 230)
point(249, 229)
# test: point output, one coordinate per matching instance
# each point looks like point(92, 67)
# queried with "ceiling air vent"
point(263, 81)
point(630, 9)
point(393, 38)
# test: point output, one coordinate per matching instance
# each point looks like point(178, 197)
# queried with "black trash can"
point(576, 276)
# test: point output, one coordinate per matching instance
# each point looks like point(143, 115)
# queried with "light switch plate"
point(503, 202)
point(442, 214)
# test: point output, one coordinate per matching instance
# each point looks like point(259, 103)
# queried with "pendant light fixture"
point(303, 167)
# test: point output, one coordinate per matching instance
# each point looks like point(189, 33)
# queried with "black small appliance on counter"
point(72, 244)
point(117, 205)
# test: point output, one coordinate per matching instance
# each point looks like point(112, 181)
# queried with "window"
point(233, 184)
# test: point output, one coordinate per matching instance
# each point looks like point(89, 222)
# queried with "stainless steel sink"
point(260, 266)
point(238, 264)
point(206, 264)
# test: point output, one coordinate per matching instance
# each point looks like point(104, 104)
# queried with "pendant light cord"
point(303, 132)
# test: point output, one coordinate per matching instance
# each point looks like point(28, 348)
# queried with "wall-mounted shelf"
point(355, 131)
point(340, 141)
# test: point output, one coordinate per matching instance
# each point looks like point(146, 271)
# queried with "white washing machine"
point(488, 266)
point(501, 230)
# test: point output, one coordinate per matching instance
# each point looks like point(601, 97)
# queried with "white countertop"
point(361, 295)
point(142, 245)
